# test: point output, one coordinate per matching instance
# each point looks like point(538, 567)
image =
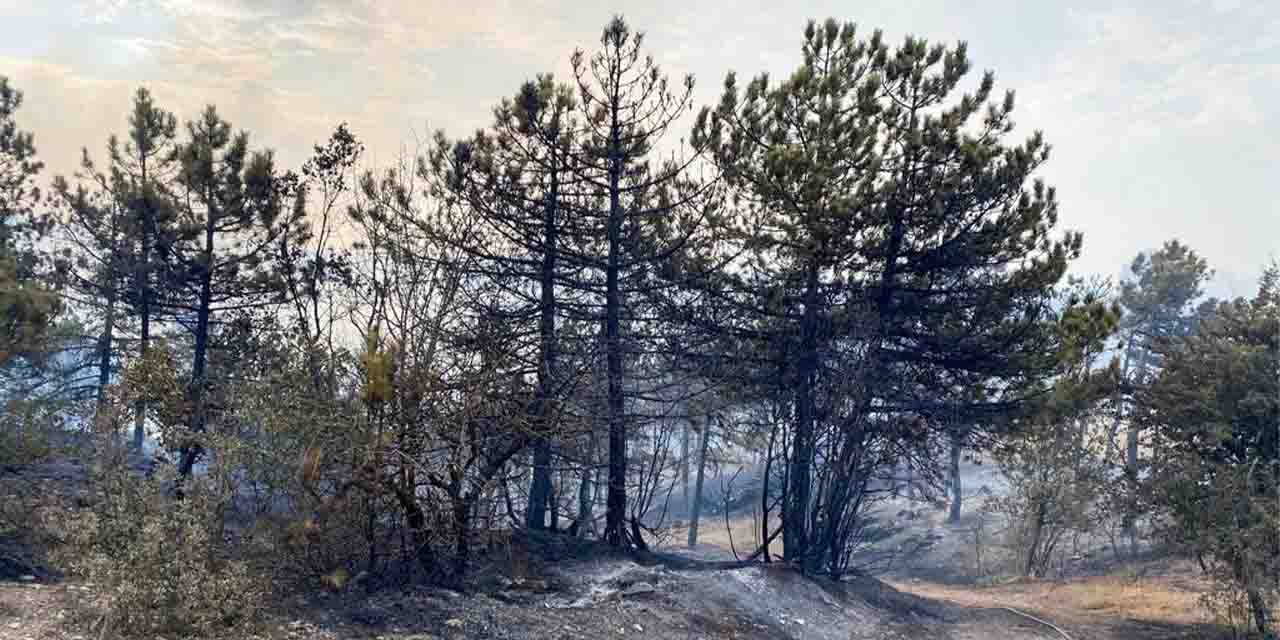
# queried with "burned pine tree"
point(517, 178)
point(640, 210)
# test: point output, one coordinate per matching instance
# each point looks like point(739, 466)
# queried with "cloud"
point(1147, 103)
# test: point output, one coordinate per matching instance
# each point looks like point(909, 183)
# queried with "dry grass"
point(745, 534)
point(1160, 604)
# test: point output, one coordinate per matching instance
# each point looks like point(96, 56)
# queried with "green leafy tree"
point(1158, 298)
point(1216, 399)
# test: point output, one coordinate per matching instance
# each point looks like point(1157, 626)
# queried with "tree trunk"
point(1033, 559)
point(764, 494)
point(684, 468)
point(696, 511)
point(144, 345)
point(586, 499)
point(105, 345)
point(462, 538)
point(144, 332)
point(540, 487)
point(199, 382)
point(553, 506)
point(957, 491)
point(1261, 613)
point(1112, 446)
point(796, 512)
point(616, 502)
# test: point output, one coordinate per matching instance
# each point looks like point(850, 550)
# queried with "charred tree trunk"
point(144, 311)
point(540, 487)
point(586, 499)
point(616, 502)
point(795, 535)
point(696, 511)
point(764, 494)
point(685, 493)
point(462, 537)
point(105, 346)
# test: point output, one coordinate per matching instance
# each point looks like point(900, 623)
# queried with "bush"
point(29, 431)
point(158, 564)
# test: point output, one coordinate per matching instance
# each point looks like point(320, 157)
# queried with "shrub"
point(158, 564)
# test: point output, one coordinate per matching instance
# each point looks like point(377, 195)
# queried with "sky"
point(1164, 115)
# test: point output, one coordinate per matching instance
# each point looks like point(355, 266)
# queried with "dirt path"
point(33, 611)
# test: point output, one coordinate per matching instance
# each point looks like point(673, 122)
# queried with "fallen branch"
point(1035, 619)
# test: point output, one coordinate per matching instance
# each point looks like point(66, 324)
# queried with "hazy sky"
point(1164, 115)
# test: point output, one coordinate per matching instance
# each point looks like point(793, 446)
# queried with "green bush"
point(158, 564)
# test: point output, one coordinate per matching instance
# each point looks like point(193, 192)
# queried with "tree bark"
point(540, 487)
point(696, 511)
point(192, 451)
point(616, 502)
point(957, 491)
point(144, 277)
point(795, 515)
point(685, 493)
point(586, 499)
point(105, 345)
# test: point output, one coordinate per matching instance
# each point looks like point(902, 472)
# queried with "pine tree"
point(120, 226)
point(891, 242)
point(314, 265)
point(516, 177)
point(27, 305)
point(1157, 296)
point(1217, 399)
point(233, 215)
point(627, 105)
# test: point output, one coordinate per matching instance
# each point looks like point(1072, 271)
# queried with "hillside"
point(552, 586)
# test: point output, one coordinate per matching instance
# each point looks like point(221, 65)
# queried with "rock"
point(638, 589)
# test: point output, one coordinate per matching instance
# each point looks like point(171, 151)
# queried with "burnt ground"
point(575, 590)
point(558, 587)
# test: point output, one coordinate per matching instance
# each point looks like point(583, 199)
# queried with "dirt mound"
point(575, 589)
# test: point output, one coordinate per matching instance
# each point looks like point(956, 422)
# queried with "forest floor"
point(558, 587)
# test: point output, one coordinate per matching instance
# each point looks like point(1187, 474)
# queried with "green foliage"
point(27, 306)
point(1054, 465)
point(162, 566)
point(1162, 287)
point(893, 245)
point(1216, 401)
point(29, 430)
